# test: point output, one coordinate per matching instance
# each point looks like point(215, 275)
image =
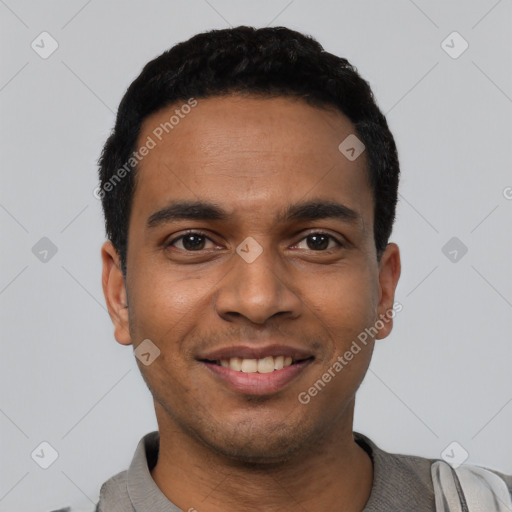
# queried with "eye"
point(192, 241)
point(320, 241)
point(195, 241)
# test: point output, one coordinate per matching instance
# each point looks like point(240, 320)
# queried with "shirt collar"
point(146, 496)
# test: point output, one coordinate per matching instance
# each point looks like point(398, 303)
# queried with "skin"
point(253, 157)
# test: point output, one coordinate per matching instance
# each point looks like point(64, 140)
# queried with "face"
point(251, 246)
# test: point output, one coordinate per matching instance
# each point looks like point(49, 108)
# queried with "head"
point(240, 227)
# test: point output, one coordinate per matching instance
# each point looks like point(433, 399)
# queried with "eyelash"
point(200, 233)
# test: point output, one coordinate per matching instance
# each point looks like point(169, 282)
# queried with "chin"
point(249, 444)
point(256, 454)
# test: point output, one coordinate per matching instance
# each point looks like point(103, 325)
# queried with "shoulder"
point(400, 482)
point(114, 491)
point(471, 486)
point(403, 481)
point(506, 478)
point(119, 480)
point(387, 463)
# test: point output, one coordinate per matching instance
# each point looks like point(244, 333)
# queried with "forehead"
point(253, 155)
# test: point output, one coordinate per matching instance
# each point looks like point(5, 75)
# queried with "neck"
point(335, 474)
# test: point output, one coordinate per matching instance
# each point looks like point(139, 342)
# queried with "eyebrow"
point(304, 211)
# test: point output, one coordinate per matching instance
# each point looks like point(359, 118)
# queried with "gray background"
point(444, 373)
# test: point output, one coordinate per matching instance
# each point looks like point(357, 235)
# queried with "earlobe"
point(389, 273)
point(114, 290)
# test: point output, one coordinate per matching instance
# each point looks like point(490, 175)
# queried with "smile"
point(255, 375)
point(267, 364)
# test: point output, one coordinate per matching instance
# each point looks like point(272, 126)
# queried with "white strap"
point(469, 489)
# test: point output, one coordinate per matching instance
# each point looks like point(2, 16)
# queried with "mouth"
point(257, 371)
point(268, 364)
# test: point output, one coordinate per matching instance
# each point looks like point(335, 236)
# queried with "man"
point(249, 190)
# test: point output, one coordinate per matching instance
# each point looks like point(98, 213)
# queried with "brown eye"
point(190, 242)
point(319, 241)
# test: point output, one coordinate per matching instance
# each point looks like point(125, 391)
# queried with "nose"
point(257, 289)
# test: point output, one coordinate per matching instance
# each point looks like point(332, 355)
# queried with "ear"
point(114, 290)
point(389, 273)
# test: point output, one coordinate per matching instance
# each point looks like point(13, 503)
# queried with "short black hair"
point(267, 62)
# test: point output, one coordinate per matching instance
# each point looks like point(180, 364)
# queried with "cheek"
point(346, 299)
point(164, 308)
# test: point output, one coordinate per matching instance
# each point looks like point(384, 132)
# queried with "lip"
point(251, 352)
point(257, 383)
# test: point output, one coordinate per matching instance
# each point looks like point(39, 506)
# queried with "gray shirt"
point(401, 483)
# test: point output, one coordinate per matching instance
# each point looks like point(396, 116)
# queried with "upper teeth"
point(265, 365)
